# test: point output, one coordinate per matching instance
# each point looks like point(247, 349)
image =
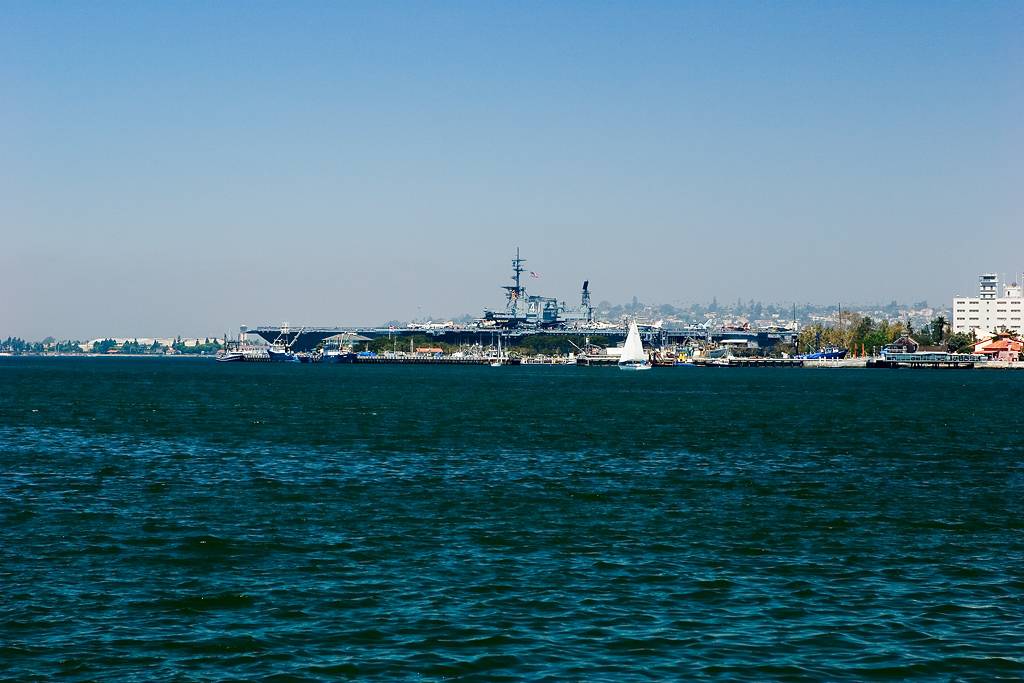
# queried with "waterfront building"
point(907, 344)
point(1002, 347)
point(988, 312)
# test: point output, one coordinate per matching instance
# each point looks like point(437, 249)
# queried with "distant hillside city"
point(757, 314)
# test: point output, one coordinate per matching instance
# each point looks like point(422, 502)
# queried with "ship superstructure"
point(526, 310)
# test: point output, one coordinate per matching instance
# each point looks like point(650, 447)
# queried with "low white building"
point(988, 312)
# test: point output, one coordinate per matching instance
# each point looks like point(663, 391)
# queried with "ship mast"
point(516, 291)
point(585, 301)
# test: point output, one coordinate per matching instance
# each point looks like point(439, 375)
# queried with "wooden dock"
point(428, 360)
point(835, 362)
point(589, 360)
point(946, 365)
point(927, 359)
point(753, 362)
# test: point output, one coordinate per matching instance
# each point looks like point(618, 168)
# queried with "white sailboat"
point(633, 355)
point(500, 361)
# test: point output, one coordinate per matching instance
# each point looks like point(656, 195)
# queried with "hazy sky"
point(188, 167)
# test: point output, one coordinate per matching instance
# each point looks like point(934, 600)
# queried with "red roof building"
point(1004, 348)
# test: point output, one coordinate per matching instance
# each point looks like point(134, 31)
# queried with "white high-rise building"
point(988, 312)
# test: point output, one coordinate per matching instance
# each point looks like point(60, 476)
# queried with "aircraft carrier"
point(524, 314)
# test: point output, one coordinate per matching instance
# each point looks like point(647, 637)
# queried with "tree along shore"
point(857, 332)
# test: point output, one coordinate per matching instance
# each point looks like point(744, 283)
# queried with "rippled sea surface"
point(178, 519)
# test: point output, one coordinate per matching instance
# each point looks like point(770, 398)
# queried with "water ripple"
point(542, 524)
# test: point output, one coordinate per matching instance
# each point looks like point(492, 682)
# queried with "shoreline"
point(817, 364)
point(108, 355)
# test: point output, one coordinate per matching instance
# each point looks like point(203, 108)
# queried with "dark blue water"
point(176, 519)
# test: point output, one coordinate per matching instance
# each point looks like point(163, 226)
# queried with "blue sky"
point(188, 167)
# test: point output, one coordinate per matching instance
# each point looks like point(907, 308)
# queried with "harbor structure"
point(907, 352)
point(989, 312)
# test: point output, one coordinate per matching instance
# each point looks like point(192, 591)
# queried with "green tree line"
point(18, 345)
point(855, 332)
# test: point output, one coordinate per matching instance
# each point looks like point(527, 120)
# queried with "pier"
point(934, 364)
point(927, 359)
point(428, 360)
point(836, 362)
point(590, 359)
point(752, 362)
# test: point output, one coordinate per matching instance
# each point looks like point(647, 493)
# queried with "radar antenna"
point(585, 301)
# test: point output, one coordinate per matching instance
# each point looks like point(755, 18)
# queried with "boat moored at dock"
point(338, 356)
point(827, 353)
point(242, 353)
point(281, 354)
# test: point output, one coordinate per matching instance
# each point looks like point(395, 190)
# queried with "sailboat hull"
point(634, 366)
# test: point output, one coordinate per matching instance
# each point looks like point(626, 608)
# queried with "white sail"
point(633, 349)
point(498, 363)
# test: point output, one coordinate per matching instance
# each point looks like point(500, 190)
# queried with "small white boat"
point(633, 355)
point(500, 361)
